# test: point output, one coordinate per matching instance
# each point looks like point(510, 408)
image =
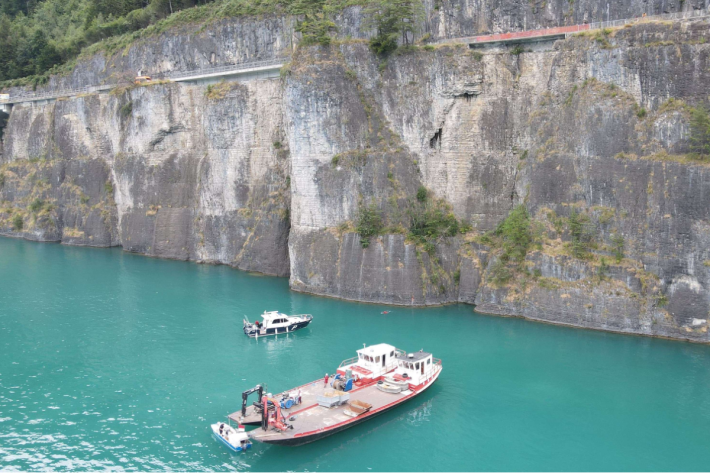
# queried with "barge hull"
point(366, 393)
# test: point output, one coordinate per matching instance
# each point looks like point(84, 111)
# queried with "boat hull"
point(308, 438)
point(235, 448)
point(229, 445)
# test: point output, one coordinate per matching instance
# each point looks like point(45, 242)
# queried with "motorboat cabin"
point(275, 322)
point(371, 362)
point(416, 368)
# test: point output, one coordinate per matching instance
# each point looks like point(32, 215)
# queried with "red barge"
point(378, 379)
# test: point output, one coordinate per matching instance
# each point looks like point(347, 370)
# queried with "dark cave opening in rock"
point(436, 139)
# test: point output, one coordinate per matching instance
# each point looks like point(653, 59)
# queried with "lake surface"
point(110, 360)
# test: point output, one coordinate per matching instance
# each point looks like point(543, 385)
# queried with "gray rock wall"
point(270, 175)
point(556, 127)
point(191, 174)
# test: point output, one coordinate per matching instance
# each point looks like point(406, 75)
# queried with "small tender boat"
point(275, 322)
point(389, 384)
point(236, 440)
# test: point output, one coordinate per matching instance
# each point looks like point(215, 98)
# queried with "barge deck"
point(315, 422)
point(326, 410)
point(309, 393)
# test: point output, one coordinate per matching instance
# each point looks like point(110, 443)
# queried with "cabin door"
point(422, 367)
point(383, 360)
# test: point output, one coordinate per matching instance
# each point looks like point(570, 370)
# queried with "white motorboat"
point(236, 440)
point(274, 322)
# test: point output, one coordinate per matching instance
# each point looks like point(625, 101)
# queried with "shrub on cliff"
point(513, 238)
point(36, 205)
point(369, 223)
point(617, 242)
point(432, 220)
point(126, 110)
point(581, 232)
point(17, 222)
point(515, 235)
point(421, 194)
point(700, 132)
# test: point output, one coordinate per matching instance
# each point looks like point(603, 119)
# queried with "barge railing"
point(349, 361)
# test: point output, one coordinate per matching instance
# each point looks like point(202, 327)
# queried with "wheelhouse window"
point(377, 359)
point(428, 361)
point(416, 366)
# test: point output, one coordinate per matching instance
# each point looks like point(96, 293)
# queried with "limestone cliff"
point(271, 175)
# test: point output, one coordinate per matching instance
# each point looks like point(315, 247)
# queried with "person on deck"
point(325, 381)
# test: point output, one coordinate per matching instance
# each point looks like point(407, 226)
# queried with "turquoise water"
point(117, 361)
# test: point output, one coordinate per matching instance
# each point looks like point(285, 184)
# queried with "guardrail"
point(57, 94)
point(573, 29)
point(222, 70)
point(227, 69)
point(664, 16)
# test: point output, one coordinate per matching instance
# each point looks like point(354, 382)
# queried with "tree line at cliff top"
point(43, 37)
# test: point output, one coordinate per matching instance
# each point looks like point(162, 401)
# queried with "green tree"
point(369, 223)
point(421, 194)
point(392, 20)
point(17, 222)
point(617, 242)
point(581, 232)
point(515, 234)
point(700, 132)
point(45, 55)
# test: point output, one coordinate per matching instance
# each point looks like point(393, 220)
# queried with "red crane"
point(273, 418)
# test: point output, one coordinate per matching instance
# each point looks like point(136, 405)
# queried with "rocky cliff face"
point(165, 170)
point(271, 175)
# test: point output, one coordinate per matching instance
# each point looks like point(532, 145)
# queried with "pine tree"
point(700, 132)
point(392, 18)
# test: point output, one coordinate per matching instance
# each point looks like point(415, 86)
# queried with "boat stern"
point(235, 440)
